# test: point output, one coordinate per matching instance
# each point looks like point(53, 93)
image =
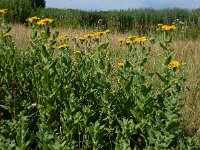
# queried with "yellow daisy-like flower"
point(62, 38)
point(63, 46)
point(168, 28)
point(96, 39)
point(48, 20)
point(131, 37)
point(121, 40)
point(41, 22)
point(88, 35)
point(174, 64)
point(7, 35)
point(120, 64)
point(82, 39)
point(173, 27)
point(140, 39)
point(128, 43)
point(3, 11)
point(77, 52)
point(100, 33)
point(31, 19)
point(45, 21)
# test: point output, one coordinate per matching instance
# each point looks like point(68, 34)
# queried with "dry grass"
point(187, 51)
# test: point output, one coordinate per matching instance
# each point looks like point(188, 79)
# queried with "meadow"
point(69, 88)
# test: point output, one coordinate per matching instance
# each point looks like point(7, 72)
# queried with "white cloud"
point(121, 4)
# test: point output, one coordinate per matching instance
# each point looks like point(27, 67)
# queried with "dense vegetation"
point(122, 20)
point(73, 93)
point(20, 10)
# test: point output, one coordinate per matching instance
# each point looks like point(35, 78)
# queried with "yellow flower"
point(128, 43)
point(3, 11)
point(88, 35)
point(131, 37)
point(35, 18)
point(174, 64)
point(7, 35)
point(120, 64)
point(41, 22)
point(63, 46)
point(62, 38)
point(95, 39)
point(140, 39)
point(168, 28)
point(48, 20)
point(45, 21)
point(121, 40)
point(100, 33)
point(77, 52)
point(173, 27)
point(82, 39)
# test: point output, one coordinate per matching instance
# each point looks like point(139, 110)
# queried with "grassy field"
point(67, 88)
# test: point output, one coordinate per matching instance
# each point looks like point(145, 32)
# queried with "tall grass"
point(139, 20)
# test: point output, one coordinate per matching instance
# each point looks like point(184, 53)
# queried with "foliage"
point(38, 3)
point(138, 21)
point(68, 93)
point(19, 10)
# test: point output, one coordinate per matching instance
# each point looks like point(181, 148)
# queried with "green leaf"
point(163, 46)
point(167, 60)
point(144, 61)
point(51, 66)
point(162, 78)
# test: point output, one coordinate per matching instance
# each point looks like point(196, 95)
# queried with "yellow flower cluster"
point(166, 27)
point(131, 40)
point(45, 21)
point(92, 36)
point(32, 19)
point(3, 11)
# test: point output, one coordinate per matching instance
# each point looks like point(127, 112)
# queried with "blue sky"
point(121, 4)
